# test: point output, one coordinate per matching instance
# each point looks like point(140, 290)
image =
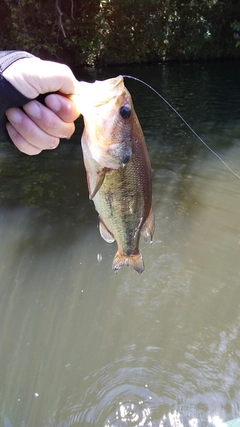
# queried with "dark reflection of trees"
point(49, 182)
point(50, 189)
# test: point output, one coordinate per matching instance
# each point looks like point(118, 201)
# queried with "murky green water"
point(83, 346)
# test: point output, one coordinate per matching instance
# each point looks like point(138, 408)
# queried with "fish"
point(117, 166)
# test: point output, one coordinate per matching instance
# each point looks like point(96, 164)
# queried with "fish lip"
point(98, 93)
point(114, 82)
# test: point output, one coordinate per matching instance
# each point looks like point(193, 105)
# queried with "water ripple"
point(138, 392)
point(121, 396)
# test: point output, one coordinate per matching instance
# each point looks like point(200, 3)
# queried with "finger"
point(30, 131)
point(63, 107)
point(48, 121)
point(21, 143)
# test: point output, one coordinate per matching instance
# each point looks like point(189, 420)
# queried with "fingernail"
point(33, 110)
point(55, 143)
point(14, 116)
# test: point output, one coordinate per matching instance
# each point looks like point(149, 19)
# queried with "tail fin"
point(135, 261)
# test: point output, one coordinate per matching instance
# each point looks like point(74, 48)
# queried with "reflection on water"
point(82, 346)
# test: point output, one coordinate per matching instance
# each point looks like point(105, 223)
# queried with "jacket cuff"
point(8, 57)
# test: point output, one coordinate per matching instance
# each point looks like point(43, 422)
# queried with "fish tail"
point(135, 261)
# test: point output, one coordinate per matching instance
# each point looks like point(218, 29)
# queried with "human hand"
point(38, 127)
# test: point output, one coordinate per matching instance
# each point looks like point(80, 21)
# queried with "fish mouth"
point(114, 82)
point(90, 95)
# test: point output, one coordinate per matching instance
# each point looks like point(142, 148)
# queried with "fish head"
point(109, 117)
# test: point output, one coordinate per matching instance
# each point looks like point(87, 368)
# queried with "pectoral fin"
point(147, 229)
point(105, 233)
point(100, 178)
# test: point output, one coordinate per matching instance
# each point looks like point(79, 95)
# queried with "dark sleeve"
point(9, 96)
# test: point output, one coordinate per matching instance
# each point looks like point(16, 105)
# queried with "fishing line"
point(185, 122)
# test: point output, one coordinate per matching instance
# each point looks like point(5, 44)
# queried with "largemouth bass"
point(117, 166)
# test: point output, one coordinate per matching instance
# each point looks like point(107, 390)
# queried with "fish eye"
point(125, 111)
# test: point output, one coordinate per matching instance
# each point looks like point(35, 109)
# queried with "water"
point(82, 346)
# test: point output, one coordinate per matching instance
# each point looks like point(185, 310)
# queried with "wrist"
point(18, 75)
